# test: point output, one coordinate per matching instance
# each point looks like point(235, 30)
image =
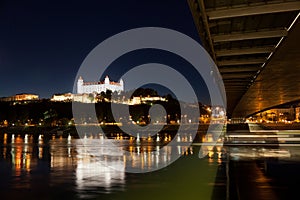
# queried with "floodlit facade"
point(140, 100)
point(62, 97)
point(67, 97)
point(98, 87)
point(21, 97)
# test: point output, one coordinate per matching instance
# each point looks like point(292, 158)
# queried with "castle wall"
point(87, 88)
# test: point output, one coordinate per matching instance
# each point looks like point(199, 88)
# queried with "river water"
point(72, 169)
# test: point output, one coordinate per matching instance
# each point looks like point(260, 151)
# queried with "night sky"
point(43, 43)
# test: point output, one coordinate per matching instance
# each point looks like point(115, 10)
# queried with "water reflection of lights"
point(244, 153)
point(94, 166)
point(152, 156)
point(136, 157)
point(257, 153)
point(26, 139)
point(98, 166)
point(21, 154)
point(212, 152)
point(62, 154)
point(5, 138)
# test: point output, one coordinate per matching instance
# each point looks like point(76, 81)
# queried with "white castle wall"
point(87, 88)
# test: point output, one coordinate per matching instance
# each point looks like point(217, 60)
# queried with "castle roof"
point(100, 82)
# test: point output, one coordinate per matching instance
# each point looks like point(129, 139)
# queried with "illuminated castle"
point(98, 87)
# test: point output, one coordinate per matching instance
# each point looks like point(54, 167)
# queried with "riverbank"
point(281, 126)
point(111, 131)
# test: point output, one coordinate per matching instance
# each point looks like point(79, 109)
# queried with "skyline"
point(43, 45)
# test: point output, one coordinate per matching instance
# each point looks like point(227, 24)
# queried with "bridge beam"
point(249, 36)
point(206, 27)
point(236, 75)
point(253, 10)
point(236, 80)
point(238, 69)
point(241, 62)
point(247, 51)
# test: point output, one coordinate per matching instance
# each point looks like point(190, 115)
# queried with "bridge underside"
point(255, 45)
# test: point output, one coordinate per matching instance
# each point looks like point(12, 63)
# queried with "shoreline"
point(110, 131)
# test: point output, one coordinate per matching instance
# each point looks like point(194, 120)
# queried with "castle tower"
point(122, 84)
point(80, 85)
point(106, 80)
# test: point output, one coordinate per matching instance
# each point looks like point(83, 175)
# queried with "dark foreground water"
point(71, 169)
